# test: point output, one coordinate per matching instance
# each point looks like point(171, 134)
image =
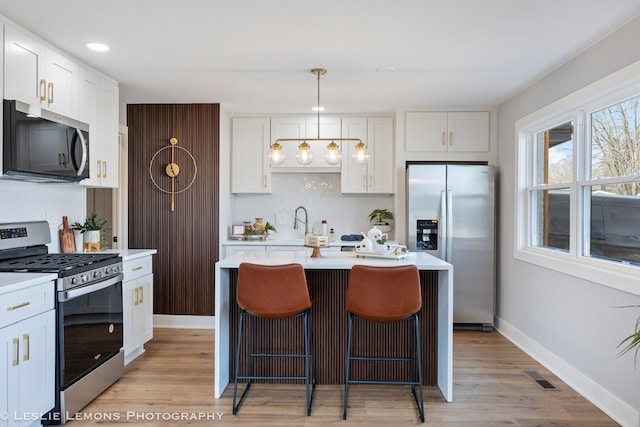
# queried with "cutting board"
point(67, 238)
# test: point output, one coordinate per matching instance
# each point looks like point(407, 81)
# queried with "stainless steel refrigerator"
point(450, 214)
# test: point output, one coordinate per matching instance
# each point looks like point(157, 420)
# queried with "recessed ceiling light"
point(316, 108)
point(98, 47)
point(386, 69)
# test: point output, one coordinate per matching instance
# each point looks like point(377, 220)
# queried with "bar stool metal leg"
point(347, 368)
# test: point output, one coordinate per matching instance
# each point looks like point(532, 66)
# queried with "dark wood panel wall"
point(186, 238)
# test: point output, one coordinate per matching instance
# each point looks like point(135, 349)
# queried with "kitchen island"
point(327, 278)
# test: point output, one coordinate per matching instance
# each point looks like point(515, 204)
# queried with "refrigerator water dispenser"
point(427, 235)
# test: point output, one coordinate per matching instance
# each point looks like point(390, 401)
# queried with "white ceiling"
point(255, 56)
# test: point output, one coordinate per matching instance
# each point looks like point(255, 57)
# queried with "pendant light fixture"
point(305, 156)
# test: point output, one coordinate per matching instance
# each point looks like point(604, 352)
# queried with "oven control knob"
point(74, 280)
point(97, 274)
point(84, 277)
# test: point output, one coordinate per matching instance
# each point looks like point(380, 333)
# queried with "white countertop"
point(129, 254)
point(10, 282)
point(332, 260)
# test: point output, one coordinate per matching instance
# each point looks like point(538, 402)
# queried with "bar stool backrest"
point(384, 294)
point(272, 291)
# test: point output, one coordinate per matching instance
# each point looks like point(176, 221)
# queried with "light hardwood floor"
point(171, 385)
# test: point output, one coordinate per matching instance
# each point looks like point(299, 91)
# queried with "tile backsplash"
point(319, 193)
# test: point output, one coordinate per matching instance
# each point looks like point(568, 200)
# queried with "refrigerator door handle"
point(449, 225)
point(444, 219)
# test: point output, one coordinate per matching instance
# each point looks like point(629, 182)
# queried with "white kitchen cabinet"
point(441, 131)
point(250, 172)
point(106, 159)
point(137, 302)
point(39, 76)
point(98, 104)
point(27, 354)
point(376, 175)
point(293, 128)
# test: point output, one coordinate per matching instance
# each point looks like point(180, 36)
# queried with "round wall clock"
point(166, 171)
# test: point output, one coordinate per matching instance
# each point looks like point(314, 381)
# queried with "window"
point(612, 193)
point(578, 207)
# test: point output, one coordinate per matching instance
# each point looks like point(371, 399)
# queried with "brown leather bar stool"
point(273, 292)
point(386, 294)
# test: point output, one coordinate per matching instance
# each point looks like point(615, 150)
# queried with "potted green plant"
point(269, 230)
point(380, 218)
point(92, 231)
point(632, 342)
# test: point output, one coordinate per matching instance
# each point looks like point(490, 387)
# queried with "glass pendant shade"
point(304, 156)
point(276, 156)
point(360, 155)
point(332, 156)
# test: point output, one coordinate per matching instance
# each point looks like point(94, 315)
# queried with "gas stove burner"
point(53, 263)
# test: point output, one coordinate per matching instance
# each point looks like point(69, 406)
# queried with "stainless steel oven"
point(90, 356)
point(89, 330)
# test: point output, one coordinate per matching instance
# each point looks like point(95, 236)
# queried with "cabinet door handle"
point(141, 295)
point(50, 93)
point(16, 361)
point(370, 181)
point(265, 181)
point(450, 138)
point(364, 181)
point(15, 307)
point(99, 168)
point(43, 90)
point(104, 168)
point(444, 137)
point(25, 338)
point(136, 268)
point(136, 302)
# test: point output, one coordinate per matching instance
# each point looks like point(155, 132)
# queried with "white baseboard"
point(620, 411)
point(183, 322)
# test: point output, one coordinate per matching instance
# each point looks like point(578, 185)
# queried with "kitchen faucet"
point(305, 222)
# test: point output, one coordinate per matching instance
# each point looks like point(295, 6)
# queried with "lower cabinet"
point(137, 295)
point(27, 366)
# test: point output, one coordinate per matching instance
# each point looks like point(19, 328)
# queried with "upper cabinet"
point(39, 76)
point(98, 104)
point(463, 131)
point(251, 138)
point(250, 171)
point(376, 175)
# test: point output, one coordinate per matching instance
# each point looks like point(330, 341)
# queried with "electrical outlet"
point(281, 219)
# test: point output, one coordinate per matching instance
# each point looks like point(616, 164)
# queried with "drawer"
point(137, 268)
point(19, 305)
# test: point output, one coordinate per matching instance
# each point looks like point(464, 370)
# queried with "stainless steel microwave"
point(43, 148)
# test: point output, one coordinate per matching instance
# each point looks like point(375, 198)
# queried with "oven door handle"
point(77, 292)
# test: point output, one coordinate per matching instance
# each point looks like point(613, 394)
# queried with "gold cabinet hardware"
point(141, 295)
point(50, 93)
point(136, 268)
point(450, 138)
point(43, 90)
point(370, 181)
point(364, 181)
point(16, 361)
point(444, 136)
point(15, 307)
point(99, 167)
point(25, 338)
point(137, 290)
point(104, 168)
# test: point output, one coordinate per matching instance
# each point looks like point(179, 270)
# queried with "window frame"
point(576, 107)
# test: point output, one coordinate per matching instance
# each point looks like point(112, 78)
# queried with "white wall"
point(573, 326)
point(27, 201)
